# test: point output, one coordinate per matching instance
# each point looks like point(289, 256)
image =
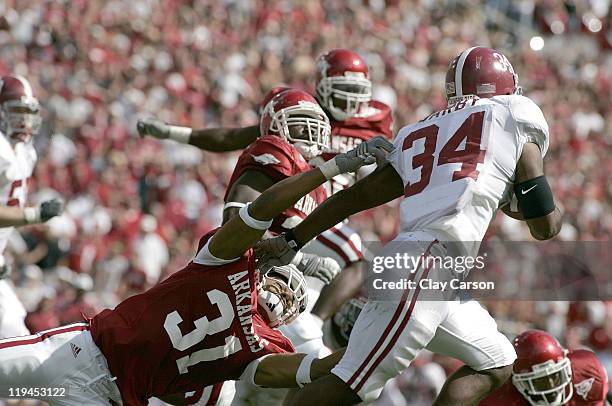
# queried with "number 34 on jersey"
point(453, 141)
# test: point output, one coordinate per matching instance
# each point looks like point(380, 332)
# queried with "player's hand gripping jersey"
point(278, 159)
point(458, 164)
point(220, 301)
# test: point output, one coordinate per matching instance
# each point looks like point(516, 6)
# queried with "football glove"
point(46, 210)
point(323, 268)
point(153, 127)
point(275, 251)
point(373, 150)
point(161, 130)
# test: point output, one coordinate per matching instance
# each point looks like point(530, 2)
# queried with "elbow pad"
point(534, 197)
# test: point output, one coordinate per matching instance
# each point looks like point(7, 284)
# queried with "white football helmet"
point(282, 295)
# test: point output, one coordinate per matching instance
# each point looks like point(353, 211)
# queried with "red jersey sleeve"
point(589, 378)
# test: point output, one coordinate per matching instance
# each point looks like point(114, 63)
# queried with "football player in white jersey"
point(19, 122)
point(455, 168)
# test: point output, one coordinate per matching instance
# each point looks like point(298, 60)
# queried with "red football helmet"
point(343, 86)
point(19, 109)
point(296, 116)
point(268, 97)
point(542, 372)
point(482, 72)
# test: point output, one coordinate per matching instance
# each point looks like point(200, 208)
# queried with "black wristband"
point(534, 197)
point(292, 241)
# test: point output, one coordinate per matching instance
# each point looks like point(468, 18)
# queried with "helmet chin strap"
point(272, 307)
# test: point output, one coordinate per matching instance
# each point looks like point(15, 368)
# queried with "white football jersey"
point(458, 165)
point(12, 313)
point(16, 166)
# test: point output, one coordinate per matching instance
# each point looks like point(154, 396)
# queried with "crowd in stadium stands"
point(136, 207)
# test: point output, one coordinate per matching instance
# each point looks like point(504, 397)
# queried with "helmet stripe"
point(27, 89)
point(459, 71)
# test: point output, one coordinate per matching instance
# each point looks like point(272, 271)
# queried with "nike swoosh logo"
point(527, 191)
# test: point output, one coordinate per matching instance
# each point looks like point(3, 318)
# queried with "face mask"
point(308, 151)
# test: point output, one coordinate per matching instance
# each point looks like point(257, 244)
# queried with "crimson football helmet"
point(343, 86)
point(270, 95)
point(482, 72)
point(282, 295)
point(292, 110)
point(542, 372)
point(19, 109)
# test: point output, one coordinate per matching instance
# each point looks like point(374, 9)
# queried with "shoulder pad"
point(530, 120)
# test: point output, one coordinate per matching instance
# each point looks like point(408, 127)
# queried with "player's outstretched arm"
point(293, 370)
point(207, 139)
point(246, 189)
point(242, 232)
point(249, 186)
point(16, 216)
point(381, 186)
point(536, 202)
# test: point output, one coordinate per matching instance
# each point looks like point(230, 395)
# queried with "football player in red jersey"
point(209, 322)
point(344, 90)
point(296, 130)
point(546, 374)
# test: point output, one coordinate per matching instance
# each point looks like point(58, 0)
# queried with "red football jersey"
point(347, 134)
point(278, 159)
point(199, 327)
point(588, 377)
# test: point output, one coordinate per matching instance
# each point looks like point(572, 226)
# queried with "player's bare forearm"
point(224, 139)
point(235, 237)
point(12, 217)
point(285, 193)
point(279, 370)
point(381, 186)
point(546, 227)
point(323, 366)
